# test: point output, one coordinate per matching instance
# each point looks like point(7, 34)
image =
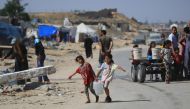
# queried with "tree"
point(13, 8)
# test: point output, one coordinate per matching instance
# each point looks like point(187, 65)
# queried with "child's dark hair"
point(174, 27)
point(109, 56)
point(186, 30)
point(79, 57)
point(153, 42)
point(176, 49)
point(166, 43)
point(104, 32)
point(135, 46)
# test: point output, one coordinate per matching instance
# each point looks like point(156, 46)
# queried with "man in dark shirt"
point(106, 44)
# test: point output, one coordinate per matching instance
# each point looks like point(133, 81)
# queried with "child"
point(87, 73)
point(108, 68)
point(177, 63)
point(149, 56)
point(149, 53)
point(166, 54)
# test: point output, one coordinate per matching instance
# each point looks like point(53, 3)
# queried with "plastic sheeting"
point(46, 31)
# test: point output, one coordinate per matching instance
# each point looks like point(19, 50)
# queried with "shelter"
point(8, 32)
point(46, 31)
point(83, 29)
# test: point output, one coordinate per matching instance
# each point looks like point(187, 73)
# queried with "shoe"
point(97, 99)
point(108, 99)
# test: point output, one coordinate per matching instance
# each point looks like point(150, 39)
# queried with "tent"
point(46, 31)
point(82, 28)
point(9, 32)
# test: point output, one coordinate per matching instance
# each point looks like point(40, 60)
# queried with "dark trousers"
point(101, 59)
point(88, 51)
point(20, 66)
point(40, 63)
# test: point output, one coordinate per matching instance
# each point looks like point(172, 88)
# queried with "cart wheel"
point(134, 72)
point(142, 74)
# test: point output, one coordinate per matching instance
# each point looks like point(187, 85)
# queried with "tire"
point(134, 72)
point(141, 74)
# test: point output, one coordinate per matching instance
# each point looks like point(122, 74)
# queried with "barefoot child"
point(166, 54)
point(108, 68)
point(87, 73)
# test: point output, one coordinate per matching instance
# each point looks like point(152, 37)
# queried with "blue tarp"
point(46, 31)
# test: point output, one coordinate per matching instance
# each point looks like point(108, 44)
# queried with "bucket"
point(137, 53)
point(155, 53)
point(98, 87)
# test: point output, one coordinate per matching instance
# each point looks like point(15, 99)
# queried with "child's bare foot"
point(87, 102)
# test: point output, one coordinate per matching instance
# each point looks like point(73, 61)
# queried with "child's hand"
point(2, 59)
point(69, 77)
point(96, 79)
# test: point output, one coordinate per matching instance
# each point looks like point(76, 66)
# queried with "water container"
point(98, 87)
point(137, 53)
point(155, 53)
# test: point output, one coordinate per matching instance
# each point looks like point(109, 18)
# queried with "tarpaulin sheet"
point(46, 30)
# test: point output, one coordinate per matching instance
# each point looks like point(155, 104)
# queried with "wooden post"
point(26, 74)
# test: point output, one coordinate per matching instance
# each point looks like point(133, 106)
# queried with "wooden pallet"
point(5, 47)
point(26, 74)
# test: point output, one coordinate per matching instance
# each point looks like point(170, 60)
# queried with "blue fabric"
point(149, 57)
point(175, 41)
point(46, 31)
point(36, 41)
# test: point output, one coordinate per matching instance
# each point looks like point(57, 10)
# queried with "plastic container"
point(155, 53)
point(137, 53)
point(98, 87)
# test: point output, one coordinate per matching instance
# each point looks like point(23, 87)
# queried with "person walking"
point(40, 53)
point(88, 46)
point(106, 44)
point(108, 68)
point(88, 76)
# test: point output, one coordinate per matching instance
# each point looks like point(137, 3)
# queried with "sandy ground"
point(61, 92)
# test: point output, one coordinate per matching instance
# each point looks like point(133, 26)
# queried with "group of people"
point(105, 72)
point(175, 53)
point(19, 53)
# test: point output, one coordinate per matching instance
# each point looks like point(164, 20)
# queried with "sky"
point(142, 10)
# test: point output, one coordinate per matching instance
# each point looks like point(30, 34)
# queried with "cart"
point(144, 67)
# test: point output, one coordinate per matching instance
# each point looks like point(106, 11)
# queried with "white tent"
point(82, 28)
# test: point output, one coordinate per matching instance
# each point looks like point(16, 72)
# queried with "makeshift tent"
point(82, 28)
point(46, 31)
point(8, 32)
